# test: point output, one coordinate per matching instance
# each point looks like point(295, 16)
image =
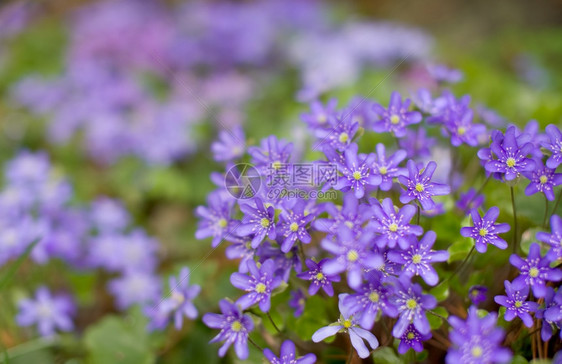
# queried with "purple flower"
point(297, 302)
point(411, 305)
point(477, 294)
point(347, 323)
point(351, 214)
point(234, 328)
point(318, 277)
point(418, 257)
point(49, 313)
point(352, 254)
point(284, 262)
point(485, 231)
point(388, 168)
point(340, 137)
point(393, 227)
point(442, 73)
point(534, 271)
point(258, 221)
point(240, 249)
point(368, 299)
point(229, 146)
point(470, 200)
point(321, 117)
point(355, 170)
point(259, 285)
point(511, 155)
point(516, 304)
point(215, 220)
point(419, 186)
point(554, 239)
point(271, 155)
point(135, 288)
point(476, 340)
point(412, 338)
point(180, 301)
point(551, 314)
point(293, 225)
point(555, 146)
point(396, 118)
point(109, 215)
point(417, 144)
point(288, 355)
point(542, 179)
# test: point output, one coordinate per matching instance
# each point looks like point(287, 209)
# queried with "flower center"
point(410, 335)
point(383, 170)
point(319, 276)
point(260, 288)
point(344, 137)
point(178, 297)
point(322, 118)
point(533, 272)
point(394, 119)
point(374, 297)
point(476, 351)
point(294, 227)
point(349, 224)
point(352, 255)
point(264, 222)
point(543, 179)
point(411, 304)
point(222, 223)
point(518, 304)
point(419, 187)
point(347, 324)
point(483, 232)
point(236, 326)
point(416, 259)
point(461, 130)
point(44, 311)
point(357, 175)
point(276, 165)
point(393, 227)
point(510, 162)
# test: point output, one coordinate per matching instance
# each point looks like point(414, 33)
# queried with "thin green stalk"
point(479, 191)
point(557, 203)
point(458, 268)
point(418, 213)
point(545, 212)
point(515, 242)
point(273, 323)
point(254, 344)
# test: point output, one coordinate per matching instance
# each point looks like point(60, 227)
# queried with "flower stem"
point(479, 191)
point(458, 268)
point(545, 212)
point(515, 243)
point(418, 212)
point(350, 358)
point(254, 344)
point(557, 203)
point(273, 322)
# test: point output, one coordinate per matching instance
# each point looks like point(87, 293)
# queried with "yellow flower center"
point(357, 175)
point(294, 226)
point(533, 272)
point(322, 118)
point(543, 179)
point(416, 259)
point(276, 165)
point(419, 187)
point(518, 304)
point(319, 276)
point(352, 255)
point(476, 351)
point(393, 227)
point(222, 223)
point(510, 162)
point(264, 222)
point(483, 232)
point(178, 297)
point(344, 137)
point(260, 288)
point(411, 335)
point(374, 297)
point(461, 130)
point(347, 324)
point(383, 170)
point(236, 326)
point(395, 119)
point(349, 224)
point(411, 304)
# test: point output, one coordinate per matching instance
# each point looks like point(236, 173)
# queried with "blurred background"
point(126, 97)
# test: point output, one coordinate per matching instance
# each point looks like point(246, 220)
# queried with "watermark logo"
point(242, 181)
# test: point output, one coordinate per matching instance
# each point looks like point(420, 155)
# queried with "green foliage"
point(386, 355)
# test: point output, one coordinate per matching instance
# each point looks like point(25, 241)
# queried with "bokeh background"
point(72, 70)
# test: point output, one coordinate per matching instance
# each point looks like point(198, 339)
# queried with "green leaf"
point(115, 341)
point(435, 322)
point(313, 318)
point(440, 292)
point(518, 359)
point(386, 355)
point(459, 249)
point(4, 280)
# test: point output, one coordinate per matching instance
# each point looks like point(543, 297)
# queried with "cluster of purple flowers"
point(373, 241)
point(37, 214)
